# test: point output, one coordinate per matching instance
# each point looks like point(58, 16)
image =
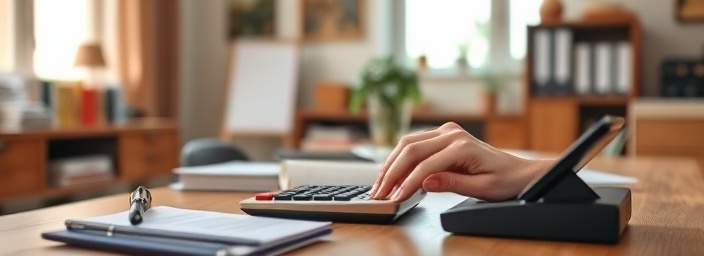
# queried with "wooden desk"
point(668, 219)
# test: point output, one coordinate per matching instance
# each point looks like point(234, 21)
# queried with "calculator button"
point(283, 197)
point(264, 196)
point(302, 197)
point(322, 197)
point(342, 197)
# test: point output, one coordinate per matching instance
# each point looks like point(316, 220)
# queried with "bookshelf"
point(504, 131)
point(139, 150)
point(592, 68)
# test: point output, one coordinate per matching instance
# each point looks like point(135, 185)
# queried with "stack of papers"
point(174, 231)
point(229, 176)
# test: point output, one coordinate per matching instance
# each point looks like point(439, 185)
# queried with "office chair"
point(210, 151)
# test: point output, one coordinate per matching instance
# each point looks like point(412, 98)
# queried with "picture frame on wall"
point(332, 20)
point(250, 18)
point(689, 10)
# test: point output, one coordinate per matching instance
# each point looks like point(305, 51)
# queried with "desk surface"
point(667, 219)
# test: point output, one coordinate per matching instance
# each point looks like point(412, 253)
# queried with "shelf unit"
point(504, 131)
point(556, 120)
point(139, 150)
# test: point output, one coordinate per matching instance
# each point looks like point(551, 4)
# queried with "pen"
point(140, 201)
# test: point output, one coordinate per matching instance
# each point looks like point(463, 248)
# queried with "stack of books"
point(16, 110)
point(229, 176)
point(80, 170)
point(330, 138)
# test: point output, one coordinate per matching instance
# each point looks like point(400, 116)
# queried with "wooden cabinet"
point(146, 153)
point(559, 111)
point(139, 150)
point(667, 127)
point(21, 165)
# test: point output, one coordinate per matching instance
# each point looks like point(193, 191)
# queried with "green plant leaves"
point(393, 83)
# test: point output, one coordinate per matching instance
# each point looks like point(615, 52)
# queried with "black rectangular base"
point(601, 221)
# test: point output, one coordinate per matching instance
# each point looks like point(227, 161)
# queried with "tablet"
point(588, 145)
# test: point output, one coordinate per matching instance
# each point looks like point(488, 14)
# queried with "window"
point(6, 37)
point(59, 29)
point(443, 30)
point(519, 18)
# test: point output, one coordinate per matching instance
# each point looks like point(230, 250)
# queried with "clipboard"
point(261, 89)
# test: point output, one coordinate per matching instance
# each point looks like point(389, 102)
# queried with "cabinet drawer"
point(146, 153)
point(20, 166)
point(670, 133)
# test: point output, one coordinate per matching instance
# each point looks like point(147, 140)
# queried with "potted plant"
point(389, 90)
point(462, 58)
point(494, 83)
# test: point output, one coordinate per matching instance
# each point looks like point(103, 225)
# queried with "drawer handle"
point(151, 137)
point(4, 145)
point(152, 158)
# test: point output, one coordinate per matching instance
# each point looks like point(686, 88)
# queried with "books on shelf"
point(17, 109)
point(330, 138)
point(174, 231)
point(73, 104)
point(233, 176)
point(80, 170)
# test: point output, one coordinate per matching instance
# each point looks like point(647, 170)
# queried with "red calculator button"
point(265, 196)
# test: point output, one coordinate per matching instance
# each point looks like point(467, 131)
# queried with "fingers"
point(448, 158)
point(405, 141)
point(407, 160)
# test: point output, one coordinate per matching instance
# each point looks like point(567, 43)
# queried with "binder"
point(624, 68)
point(541, 61)
point(562, 60)
point(603, 68)
point(583, 68)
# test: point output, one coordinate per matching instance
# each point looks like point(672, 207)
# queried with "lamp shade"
point(89, 55)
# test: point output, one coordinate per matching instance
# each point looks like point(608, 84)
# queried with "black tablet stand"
point(570, 211)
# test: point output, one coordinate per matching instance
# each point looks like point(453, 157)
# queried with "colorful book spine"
point(89, 106)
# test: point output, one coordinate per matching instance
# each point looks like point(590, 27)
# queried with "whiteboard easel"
point(260, 97)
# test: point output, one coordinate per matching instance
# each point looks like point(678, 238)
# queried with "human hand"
point(449, 159)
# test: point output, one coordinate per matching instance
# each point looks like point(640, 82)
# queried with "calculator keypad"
point(319, 193)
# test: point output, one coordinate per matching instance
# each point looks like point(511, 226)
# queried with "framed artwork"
point(325, 20)
point(250, 18)
point(689, 10)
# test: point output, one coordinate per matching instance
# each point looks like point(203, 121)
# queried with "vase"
point(551, 12)
point(388, 121)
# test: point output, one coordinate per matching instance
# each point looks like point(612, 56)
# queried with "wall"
point(663, 36)
point(204, 59)
point(204, 54)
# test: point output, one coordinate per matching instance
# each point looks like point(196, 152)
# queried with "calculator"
point(337, 203)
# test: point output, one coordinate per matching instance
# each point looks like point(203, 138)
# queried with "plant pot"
point(388, 122)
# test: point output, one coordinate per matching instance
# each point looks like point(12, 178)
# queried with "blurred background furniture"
point(667, 127)
point(578, 72)
point(210, 151)
point(138, 151)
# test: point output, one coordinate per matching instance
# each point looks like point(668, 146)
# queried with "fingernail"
point(373, 191)
point(398, 192)
point(431, 183)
